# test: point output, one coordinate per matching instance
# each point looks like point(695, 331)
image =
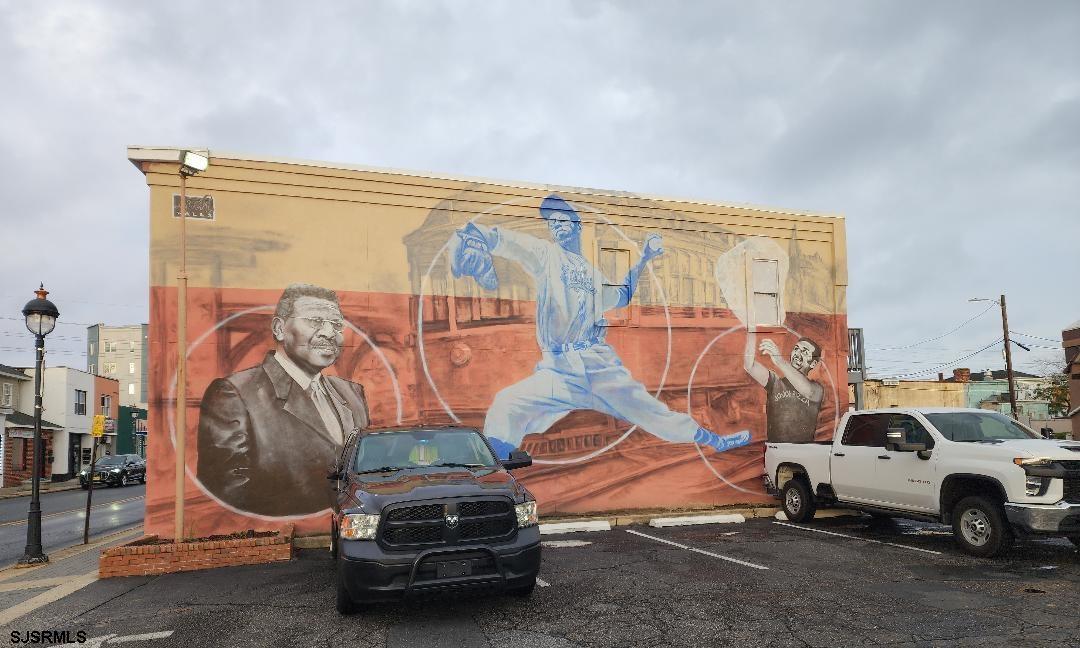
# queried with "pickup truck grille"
point(426, 523)
point(1072, 490)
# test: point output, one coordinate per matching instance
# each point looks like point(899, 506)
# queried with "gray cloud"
point(946, 133)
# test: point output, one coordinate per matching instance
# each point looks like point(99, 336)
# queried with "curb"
point(551, 528)
point(689, 520)
point(26, 493)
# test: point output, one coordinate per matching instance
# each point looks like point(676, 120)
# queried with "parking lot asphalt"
point(834, 582)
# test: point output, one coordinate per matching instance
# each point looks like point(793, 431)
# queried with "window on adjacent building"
point(106, 404)
point(131, 346)
point(131, 389)
point(131, 367)
point(91, 369)
point(91, 348)
point(80, 401)
point(7, 395)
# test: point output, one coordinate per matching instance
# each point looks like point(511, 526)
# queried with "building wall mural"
point(641, 350)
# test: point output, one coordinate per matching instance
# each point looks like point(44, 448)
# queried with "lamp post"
point(1008, 351)
point(190, 164)
point(40, 314)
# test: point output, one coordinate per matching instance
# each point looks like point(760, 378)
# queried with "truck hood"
point(375, 491)
point(1049, 448)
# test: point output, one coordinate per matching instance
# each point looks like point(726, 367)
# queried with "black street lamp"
point(41, 317)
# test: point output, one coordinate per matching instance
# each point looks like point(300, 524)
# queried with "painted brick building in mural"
point(430, 345)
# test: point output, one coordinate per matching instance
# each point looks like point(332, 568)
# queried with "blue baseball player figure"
point(579, 370)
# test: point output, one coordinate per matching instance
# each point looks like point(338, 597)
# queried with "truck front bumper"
point(1062, 518)
point(372, 574)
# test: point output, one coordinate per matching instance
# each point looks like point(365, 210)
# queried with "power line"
point(948, 364)
point(908, 346)
point(1036, 337)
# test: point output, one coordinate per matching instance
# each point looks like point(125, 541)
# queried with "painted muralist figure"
point(268, 434)
point(793, 399)
point(579, 370)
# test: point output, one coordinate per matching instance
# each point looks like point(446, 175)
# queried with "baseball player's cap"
point(554, 205)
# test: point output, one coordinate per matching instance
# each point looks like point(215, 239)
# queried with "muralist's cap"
point(554, 205)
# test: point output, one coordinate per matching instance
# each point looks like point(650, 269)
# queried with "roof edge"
point(139, 154)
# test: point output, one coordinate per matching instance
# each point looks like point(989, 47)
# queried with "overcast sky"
point(947, 133)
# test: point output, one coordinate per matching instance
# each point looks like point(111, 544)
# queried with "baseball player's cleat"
point(502, 448)
point(722, 443)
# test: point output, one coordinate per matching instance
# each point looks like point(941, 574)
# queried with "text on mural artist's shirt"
point(790, 417)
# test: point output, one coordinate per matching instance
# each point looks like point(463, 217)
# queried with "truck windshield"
point(399, 449)
point(979, 426)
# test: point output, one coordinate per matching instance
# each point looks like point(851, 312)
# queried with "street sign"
point(98, 428)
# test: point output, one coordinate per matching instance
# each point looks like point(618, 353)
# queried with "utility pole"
point(1008, 357)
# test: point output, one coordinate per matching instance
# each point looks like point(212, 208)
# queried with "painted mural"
point(641, 355)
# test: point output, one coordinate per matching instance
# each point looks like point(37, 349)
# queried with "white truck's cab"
point(978, 470)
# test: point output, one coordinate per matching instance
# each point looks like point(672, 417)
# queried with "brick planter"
point(143, 557)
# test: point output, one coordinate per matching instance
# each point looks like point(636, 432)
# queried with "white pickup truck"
point(982, 472)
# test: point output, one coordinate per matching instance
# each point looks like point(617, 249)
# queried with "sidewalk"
point(23, 590)
point(46, 487)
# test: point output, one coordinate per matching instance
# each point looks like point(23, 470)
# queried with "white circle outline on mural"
point(420, 329)
point(172, 419)
point(690, 388)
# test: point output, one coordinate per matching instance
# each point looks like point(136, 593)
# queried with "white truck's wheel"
point(980, 527)
point(797, 501)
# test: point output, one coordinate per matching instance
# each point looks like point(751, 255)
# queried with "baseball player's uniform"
point(578, 369)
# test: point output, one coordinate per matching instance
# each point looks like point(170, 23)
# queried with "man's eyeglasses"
point(318, 322)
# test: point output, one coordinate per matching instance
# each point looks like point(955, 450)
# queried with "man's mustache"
point(324, 343)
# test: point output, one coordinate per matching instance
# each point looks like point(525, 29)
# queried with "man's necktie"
point(326, 411)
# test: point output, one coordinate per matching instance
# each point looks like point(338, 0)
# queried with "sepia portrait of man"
point(268, 434)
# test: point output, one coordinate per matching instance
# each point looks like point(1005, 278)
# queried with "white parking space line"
point(700, 551)
point(540, 582)
point(150, 636)
point(842, 535)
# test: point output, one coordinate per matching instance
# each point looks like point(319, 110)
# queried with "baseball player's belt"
point(575, 346)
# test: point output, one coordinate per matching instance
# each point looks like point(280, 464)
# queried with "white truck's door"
point(906, 481)
point(854, 459)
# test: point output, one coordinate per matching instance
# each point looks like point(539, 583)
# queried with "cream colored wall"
point(279, 222)
point(914, 393)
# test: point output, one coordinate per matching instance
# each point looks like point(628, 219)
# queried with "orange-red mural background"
point(229, 330)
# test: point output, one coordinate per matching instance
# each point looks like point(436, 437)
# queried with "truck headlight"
point(526, 514)
point(115, 470)
point(1033, 486)
point(1032, 461)
point(359, 526)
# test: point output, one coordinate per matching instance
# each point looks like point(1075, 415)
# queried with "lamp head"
point(40, 313)
point(192, 163)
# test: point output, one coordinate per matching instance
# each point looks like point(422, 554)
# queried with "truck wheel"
point(526, 591)
point(980, 528)
point(344, 604)
point(797, 501)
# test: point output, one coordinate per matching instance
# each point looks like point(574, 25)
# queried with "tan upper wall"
point(360, 229)
point(914, 393)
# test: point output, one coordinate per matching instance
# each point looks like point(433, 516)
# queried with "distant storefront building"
point(131, 431)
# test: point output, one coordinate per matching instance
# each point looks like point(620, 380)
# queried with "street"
point(62, 516)
point(839, 581)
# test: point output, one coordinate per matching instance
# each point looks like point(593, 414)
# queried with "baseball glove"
point(472, 257)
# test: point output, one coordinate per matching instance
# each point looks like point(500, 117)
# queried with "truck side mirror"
point(518, 459)
point(897, 439)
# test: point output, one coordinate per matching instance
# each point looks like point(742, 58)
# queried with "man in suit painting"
point(268, 434)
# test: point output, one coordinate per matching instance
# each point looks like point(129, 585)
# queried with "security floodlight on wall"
point(192, 163)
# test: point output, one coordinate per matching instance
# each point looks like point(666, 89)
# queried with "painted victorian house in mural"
point(641, 349)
